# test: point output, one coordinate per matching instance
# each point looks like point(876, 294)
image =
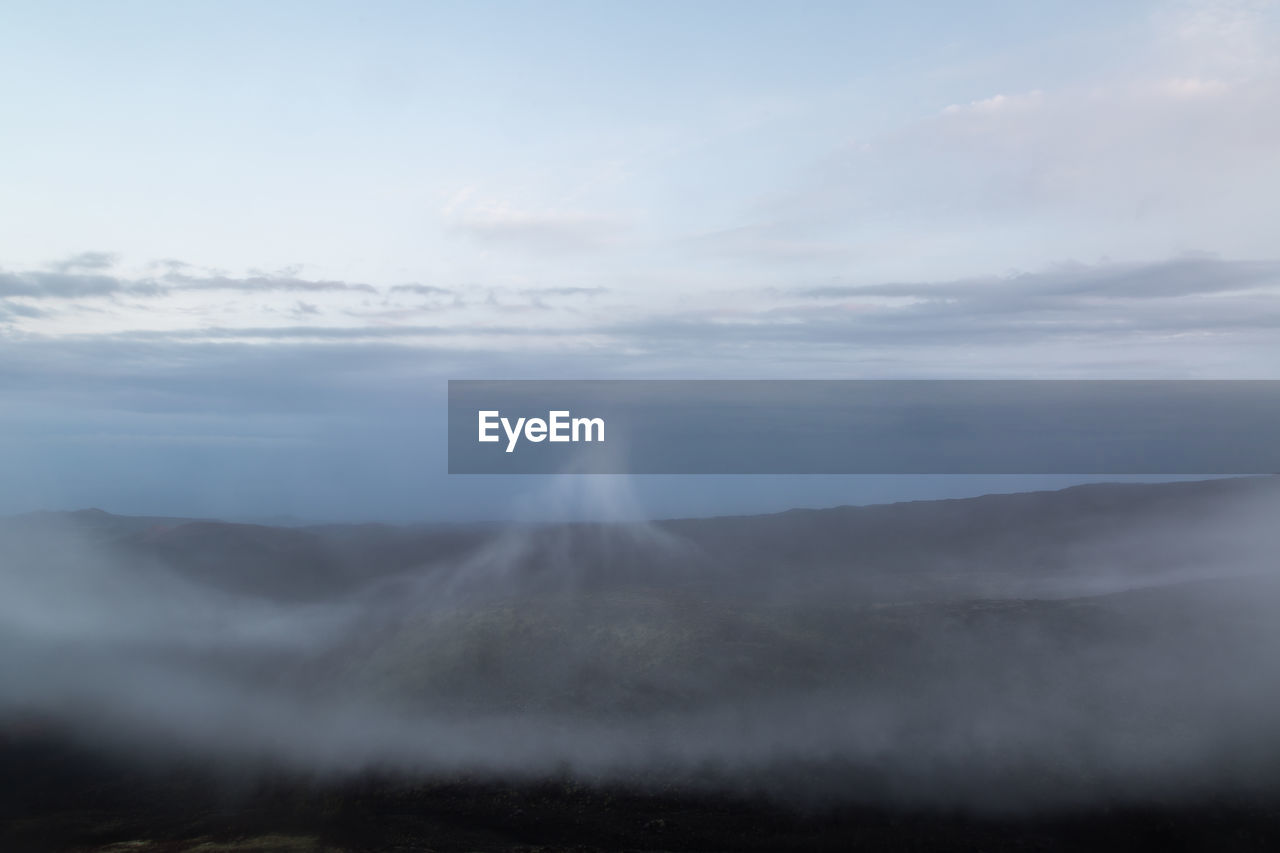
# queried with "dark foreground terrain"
point(1096, 668)
point(57, 796)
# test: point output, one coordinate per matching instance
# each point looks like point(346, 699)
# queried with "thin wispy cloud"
point(1115, 308)
point(73, 285)
point(82, 261)
point(1165, 279)
point(548, 230)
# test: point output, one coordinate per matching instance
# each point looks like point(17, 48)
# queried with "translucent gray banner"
point(864, 427)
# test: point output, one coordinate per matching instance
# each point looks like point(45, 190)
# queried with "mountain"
point(985, 546)
point(1093, 651)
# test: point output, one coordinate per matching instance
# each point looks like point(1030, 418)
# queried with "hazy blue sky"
point(242, 245)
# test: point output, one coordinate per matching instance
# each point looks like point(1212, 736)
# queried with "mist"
point(1009, 653)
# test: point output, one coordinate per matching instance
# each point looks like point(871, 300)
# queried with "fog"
point(1100, 646)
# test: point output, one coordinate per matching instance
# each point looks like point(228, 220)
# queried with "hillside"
point(1046, 655)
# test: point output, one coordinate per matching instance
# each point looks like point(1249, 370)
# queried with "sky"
point(244, 245)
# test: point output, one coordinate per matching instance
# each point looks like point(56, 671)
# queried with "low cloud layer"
point(1111, 304)
point(1104, 646)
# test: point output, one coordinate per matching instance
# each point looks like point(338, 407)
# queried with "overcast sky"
point(242, 246)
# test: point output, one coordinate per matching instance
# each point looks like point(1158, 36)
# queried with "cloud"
point(542, 230)
point(1192, 87)
point(422, 290)
point(1225, 38)
point(9, 310)
point(1179, 150)
point(86, 261)
point(1197, 145)
point(263, 284)
point(177, 300)
point(338, 333)
point(1189, 315)
point(73, 285)
point(491, 298)
point(1158, 319)
point(1161, 280)
point(998, 104)
point(73, 281)
point(770, 243)
point(565, 291)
